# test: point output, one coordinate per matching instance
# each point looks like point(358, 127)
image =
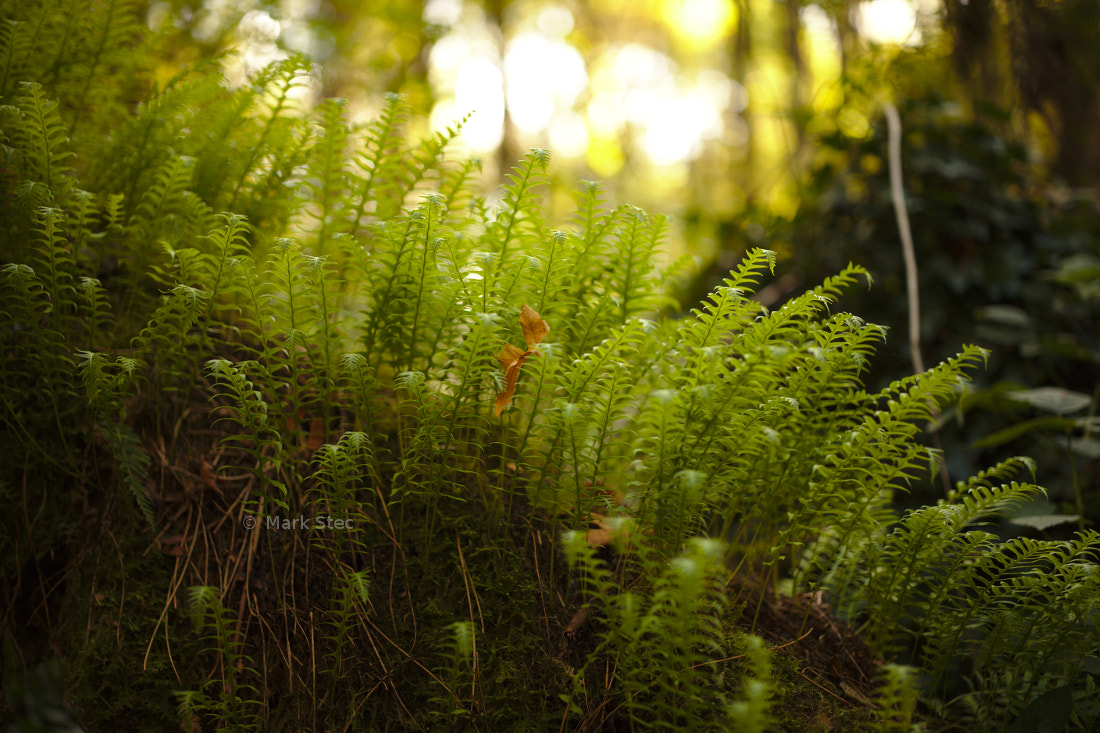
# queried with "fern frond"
point(342, 468)
point(377, 176)
point(14, 46)
point(660, 645)
point(55, 262)
point(361, 383)
point(931, 544)
point(1003, 471)
point(551, 276)
point(108, 36)
point(410, 289)
point(275, 87)
point(785, 324)
point(456, 188)
point(519, 219)
point(166, 338)
point(209, 615)
point(635, 282)
point(168, 210)
point(248, 119)
point(260, 436)
point(43, 143)
point(132, 462)
point(591, 324)
point(166, 125)
point(327, 178)
point(425, 161)
point(728, 309)
point(897, 699)
point(442, 454)
point(751, 712)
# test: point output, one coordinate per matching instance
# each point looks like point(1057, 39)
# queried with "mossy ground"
point(116, 615)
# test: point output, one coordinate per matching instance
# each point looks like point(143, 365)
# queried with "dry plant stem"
point(838, 697)
point(912, 291)
point(468, 582)
point(792, 642)
point(893, 123)
point(535, 541)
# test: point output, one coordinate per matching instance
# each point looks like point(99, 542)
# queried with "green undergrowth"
point(263, 455)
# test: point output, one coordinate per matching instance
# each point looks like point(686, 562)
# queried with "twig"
point(802, 674)
point(792, 642)
point(912, 290)
point(469, 583)
point(893, 125)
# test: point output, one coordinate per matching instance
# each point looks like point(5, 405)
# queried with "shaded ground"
point(115, 614)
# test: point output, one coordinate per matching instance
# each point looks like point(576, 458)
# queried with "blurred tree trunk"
point(1056, 57)
point(508, 153)
point(849, 37)
point(975, 50)
point(1054, 51)
point(740, 53)
point(792, 45)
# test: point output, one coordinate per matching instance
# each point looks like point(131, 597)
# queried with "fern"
point(515, 226)
point(340, 318)
point(167, 339)
point(326, 176)
point(275, 138)
point(168, 210)
point(897, 699)
point(585, 396)
point(458, 675)
point(380, 189)
point(236, 702)
point(164, 127)
point(752, 711)
point(342, 469)
point(42, 145)
point(450, 422)
point(728, 310)
point(56, 263)
point(663, 645)
point(261, 435)
point(351, 596)
point(13, 49)
point(108, 36)
point(634, 270)
point(131, 463)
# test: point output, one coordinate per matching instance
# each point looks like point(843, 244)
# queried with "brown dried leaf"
point(209, 478)
point(534, 328)
point(511, 359)
point(606, 531)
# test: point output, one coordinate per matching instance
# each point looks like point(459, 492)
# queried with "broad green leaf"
point(1023, 428)
point(1045, 521)
point(1053, 399)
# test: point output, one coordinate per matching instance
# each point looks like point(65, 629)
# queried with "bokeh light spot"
point(699, 24)
point(479, 89)
point(889, 21)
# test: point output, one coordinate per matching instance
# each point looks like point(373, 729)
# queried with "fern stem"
point(430, 205)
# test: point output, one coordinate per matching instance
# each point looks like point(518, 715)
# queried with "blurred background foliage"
point(760, 122)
